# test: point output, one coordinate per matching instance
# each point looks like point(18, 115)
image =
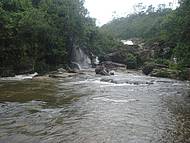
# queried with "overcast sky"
point(103, 10)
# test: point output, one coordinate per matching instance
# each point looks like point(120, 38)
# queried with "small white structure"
point(127, 42)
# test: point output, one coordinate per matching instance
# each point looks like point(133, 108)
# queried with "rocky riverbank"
point(154, 58)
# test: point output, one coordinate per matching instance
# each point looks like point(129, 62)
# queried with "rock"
point(166, 73)
point(185, 74)
point(188, 73)
point(118, 57)
point(61, 70)
point(113, 65)
point(160, 66)
point(148, 68)
point(102, 70)
point(105, 67)
point(112, 72)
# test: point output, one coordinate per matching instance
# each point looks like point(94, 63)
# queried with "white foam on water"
point(20, 77)
point(116, 101)
point(52, 111)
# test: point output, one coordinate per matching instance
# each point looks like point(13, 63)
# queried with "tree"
point(37, 35)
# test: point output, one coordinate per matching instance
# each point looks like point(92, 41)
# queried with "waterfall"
point(76, 66)
point(79, 59)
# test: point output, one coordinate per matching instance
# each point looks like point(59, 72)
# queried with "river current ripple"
point(125, 108)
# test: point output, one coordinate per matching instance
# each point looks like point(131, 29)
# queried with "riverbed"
point(87, 108)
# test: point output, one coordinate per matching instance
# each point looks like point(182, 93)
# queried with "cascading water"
point(79, 59)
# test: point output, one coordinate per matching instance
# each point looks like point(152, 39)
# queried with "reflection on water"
point(85, 109)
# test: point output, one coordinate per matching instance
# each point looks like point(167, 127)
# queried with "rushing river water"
point(126, 108)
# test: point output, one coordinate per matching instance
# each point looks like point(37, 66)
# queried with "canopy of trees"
point(161, 24)
point(37, 35)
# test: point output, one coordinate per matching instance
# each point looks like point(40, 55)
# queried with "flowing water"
point(126, 108)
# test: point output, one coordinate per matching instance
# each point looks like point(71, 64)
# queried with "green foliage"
point(142, 24)
point(163, 24)
point(102, 43)
point(37, 35)
point(131, 61)
point(182, 53)
point(162, 61)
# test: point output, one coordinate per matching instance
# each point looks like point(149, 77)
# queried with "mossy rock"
point(185, 74)
point(148, 68)
point(166, 73)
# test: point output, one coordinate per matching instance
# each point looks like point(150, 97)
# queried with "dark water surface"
point(126, 108)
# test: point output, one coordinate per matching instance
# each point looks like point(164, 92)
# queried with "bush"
point(182, 53)
point(148, 68)
point(131, 61)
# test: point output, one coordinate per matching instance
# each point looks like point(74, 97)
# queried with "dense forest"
point(159, 24)
point(38, 35)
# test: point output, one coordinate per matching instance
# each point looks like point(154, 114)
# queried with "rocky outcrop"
point(108, 67)
point(185, 74)
point(113, 65)
point(122, 55)
point(134, 56)
point(102, 70)
point(149, 67)
point(166, 73)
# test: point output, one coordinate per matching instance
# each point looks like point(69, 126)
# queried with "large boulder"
point(166, 73)
point(102, 70)
point(150, 66)
point(123, 55)
point(113, 65)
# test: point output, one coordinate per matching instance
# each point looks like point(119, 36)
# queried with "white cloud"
point(103, 10)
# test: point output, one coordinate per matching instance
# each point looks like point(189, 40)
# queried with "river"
point(125, 108)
